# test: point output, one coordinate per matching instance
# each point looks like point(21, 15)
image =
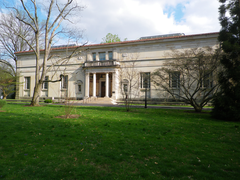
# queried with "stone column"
point(94, 84)
point(116, 84)
point(113, 85)
point(106, 55)
point(107, 85)
point(87, 85)
point(97, 56)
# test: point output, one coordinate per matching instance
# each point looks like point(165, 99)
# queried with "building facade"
point(98, 70)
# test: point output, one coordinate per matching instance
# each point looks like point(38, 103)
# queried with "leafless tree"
point(56, 12)
point(10, 41)
point(190, 76)
point(129, 81)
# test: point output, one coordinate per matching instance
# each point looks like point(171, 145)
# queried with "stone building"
point(95, 70)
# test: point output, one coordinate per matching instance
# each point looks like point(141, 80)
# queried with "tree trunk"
point(198, 109)
point(36, 95)
point(4, 95)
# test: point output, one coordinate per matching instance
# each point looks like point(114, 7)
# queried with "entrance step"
point(98, 100)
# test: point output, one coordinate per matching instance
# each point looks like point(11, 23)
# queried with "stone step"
point(97, 100)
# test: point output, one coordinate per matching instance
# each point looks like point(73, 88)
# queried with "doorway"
point(103, 88)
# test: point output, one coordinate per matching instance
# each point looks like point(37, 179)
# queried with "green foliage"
point(48, 101)
point(2, 103)
point(110, 143)
point(227, 102)
point(7, 80)
point(110, 38)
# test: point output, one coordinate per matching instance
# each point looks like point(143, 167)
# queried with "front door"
point(103, 89)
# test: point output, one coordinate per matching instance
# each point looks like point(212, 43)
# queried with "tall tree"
point(227, 102)
point(110, 38)
point(56, 12)
point(191, 76)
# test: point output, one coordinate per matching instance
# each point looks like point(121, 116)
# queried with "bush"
point(2, 103)
point(48, 101)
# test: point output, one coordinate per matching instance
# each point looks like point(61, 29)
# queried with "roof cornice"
point(126, 42)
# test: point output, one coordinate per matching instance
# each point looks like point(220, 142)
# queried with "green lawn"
point(110, 143)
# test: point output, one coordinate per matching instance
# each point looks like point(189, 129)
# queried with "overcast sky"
point(133, 19)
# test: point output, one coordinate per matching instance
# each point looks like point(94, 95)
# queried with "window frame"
point(64, 82)
point(207, 80)
point(27, 82)
point(102, 56)
point(142, 79)
point(174, 80)
point(45, 84)
point(79, 89)
point(125, 86)
point(110, 58)
point(94, 56)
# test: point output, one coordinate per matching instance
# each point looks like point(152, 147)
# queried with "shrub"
point(48, 101)
point(2, 103)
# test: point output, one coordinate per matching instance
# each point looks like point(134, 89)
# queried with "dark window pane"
point(110, 55)
point(102, 56)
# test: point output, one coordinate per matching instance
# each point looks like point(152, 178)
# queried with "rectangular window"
point(207, 81)
point(174, 79)
point(27, 82)
point(102, 56)
point(94, 56)
point(45, 84)
point(110, 55)
point(145, 80)
point(65, 82)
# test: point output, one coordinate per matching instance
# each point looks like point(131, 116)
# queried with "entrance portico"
point(100, 84)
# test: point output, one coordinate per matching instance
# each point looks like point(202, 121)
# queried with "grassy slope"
point(109, 143)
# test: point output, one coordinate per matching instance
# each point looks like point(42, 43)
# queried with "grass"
point(110, 143)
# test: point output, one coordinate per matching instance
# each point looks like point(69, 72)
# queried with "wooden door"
point(103, 88)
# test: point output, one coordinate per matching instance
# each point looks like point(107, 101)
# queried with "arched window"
point(125, 83)
point(79, 86)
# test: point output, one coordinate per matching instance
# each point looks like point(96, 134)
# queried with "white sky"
point(133, 19)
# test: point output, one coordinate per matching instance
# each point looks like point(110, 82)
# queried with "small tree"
point(110, 38)
point(7, 80)
point(129, 83)
point(227, 102)
point(191, 76)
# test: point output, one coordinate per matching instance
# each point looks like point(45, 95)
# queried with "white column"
point(116, 83)
point(86, 84)
point(107, 85)
point(94, 84)
point(113, 85)
point(97, 56)
point(107, 58)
